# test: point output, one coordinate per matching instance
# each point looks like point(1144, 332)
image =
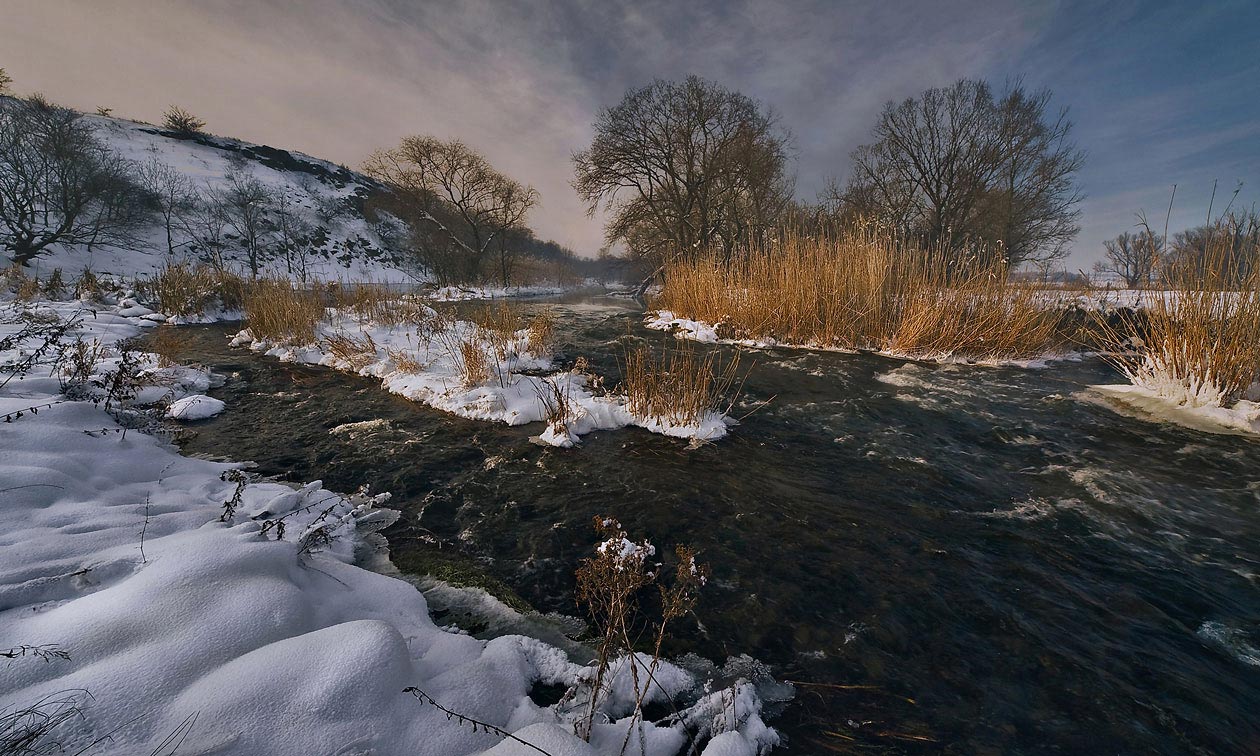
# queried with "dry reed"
point(865, 290)
point(1198, 343)
point(679, 386)
point(356, 352)
point(278, 311)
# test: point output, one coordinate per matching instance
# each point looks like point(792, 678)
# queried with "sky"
point(1161, 93)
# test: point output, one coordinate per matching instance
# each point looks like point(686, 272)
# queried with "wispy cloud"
point(522, 81)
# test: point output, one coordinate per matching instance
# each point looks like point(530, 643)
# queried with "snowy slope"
point(153, 599)
point(320, 194)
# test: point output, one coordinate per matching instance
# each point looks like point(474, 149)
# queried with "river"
point(955, 559)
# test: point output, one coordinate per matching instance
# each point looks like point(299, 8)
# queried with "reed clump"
point(184, 290)
point(1197, 343)
point(499, 323)
point(276, 310)
point(358, 352)
point(867, 290)
point(678, 386)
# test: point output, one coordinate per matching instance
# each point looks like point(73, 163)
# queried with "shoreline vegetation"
point(863, 290)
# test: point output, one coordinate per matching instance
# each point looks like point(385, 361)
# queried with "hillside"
point(313, 224)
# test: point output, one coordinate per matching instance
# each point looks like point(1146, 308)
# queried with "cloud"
point(522, 81)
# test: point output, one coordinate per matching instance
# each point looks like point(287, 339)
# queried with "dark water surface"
point(984, 561)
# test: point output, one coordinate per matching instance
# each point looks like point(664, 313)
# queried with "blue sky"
point(1160, 92)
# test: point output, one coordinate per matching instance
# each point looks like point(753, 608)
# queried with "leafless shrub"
point(610, 584)
point(78, 361)
point(181, 121)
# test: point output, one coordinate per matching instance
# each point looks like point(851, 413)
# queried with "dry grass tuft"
point(473, 362)
point(168, 342)
point(542, 333)
point(278, 311)
point(1198, 342)
point(499, 323)
point(406, 362)
point(356, 352)
point(679, 386)
point(184, 290)
point(865, 290)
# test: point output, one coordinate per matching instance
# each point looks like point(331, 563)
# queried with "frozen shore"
point(158, 599)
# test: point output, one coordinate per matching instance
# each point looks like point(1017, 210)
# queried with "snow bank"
point(173, 598)
point(195, 407)
point(1154, 403)
point(510, 396)
point(323, 196)
point(462, 293)
point(700, 331)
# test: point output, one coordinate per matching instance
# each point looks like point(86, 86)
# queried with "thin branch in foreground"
point(425, 698)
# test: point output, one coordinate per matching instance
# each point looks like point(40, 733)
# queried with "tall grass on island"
point(1197, 342)
point(679, 386)
point(866, 290)
point(277, 310)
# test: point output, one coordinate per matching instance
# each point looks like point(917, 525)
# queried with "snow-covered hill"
point(313, 220)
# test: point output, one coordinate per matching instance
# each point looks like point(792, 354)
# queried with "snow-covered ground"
point(325, 198)
point(424, 365)
point(176, 605)
point(700, 331)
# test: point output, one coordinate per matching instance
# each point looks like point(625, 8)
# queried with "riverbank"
point(153, 599)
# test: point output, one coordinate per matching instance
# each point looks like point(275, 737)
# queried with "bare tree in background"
point(453, 199)
point(957, 165)
point(1134, 257)
point(60, 185)
point(514, 202)
point(5, 81)
point(683, 167)
point(245, 202)
point(173, 194)
point(206, 225)
point(1231, 243)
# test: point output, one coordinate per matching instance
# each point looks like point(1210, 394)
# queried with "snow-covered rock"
point(195, 407)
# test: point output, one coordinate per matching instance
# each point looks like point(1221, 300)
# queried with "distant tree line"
point(691, 167)
point(1226, 249)
point(445, 209)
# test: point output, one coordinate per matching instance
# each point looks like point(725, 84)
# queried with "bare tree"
point(451, 196)
point(514, 202)
point(173, 193)
point(181, 121)
point(1226, 249)
point(245, 202)
point(957, 165)
point(1134, 257)
point(685, 166)
point(59, 184)
point(205, 224)
point(5, 81)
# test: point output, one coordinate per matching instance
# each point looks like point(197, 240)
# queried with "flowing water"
point(948, 558)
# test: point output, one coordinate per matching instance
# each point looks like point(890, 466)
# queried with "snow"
point(187, 598)
point(353, 250)
point(509, 396)
point(1166, 403)
point(700, 331)
point(195, 407)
